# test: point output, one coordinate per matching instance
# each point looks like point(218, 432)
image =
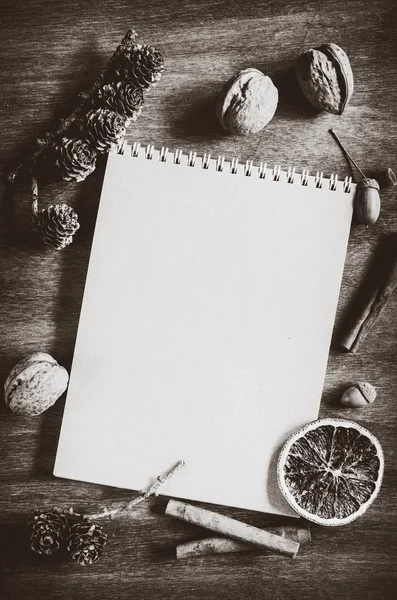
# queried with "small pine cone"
point(49, 530)
point(141, 66)
point(104, 129)
point(56, 225)
point(75, 158)
point(86, 542)
point(122, 98)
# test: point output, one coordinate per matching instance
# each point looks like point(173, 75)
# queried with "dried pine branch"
point(85, 100)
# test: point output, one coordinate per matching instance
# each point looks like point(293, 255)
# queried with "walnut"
point(247, 102)
point(35, 384)
point(325, 77)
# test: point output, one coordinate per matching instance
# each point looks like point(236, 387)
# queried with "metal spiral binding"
point(276, 172)
point(121, 147)
point(291, 175)
point(149, 152)
point(177, 157)
point(206, 161)
point(135, 149)
point(305, 177)
point(219, 163)
point(233, 166)
point(333, 180)
point(248, 169)
point(163, 154)
point(347, 185)
point(318, 180)
point(191, 161)
point(262, 171)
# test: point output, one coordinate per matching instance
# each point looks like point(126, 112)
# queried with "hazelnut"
point(359, 395)
point(35, 384)
point(325, 77)
point(247, 102)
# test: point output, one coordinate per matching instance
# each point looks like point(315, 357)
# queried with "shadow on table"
point(331, 398)
point(15, 546)
point(291, 102)
point(198, 121)
point(72, 271)
point(14, 543)
point(16, 219)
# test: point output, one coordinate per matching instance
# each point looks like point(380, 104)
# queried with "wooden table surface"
point(51, 50)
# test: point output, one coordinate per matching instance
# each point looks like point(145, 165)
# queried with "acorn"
point(359, 395)
point(367, 199)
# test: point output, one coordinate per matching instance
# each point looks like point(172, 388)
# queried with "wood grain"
point(51, 50)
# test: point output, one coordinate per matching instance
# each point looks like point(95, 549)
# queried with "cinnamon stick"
point(374, 306)
point(222, 545)
point(231, 528)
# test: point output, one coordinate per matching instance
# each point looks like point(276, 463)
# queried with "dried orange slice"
point(331, 470)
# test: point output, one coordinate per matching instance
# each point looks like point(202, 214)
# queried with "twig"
point(128, 39)
point(35, 193)
point(345, 152)
point(153, 490)
point(144, 495)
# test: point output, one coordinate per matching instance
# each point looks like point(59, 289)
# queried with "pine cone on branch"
point(49, 530)
point(75, 158)
point(56, 225)
point(86, 542)
point(104, 129)
point(122, 98)
point(141, 65)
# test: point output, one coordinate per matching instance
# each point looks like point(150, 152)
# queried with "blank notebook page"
point(205, 328)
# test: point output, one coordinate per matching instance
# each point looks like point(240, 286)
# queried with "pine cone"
point(86, 542)
point(122, 98)
point(75, 158)
point(49, 530)
point(56, 225)
point(141, 65)
point(104, 129)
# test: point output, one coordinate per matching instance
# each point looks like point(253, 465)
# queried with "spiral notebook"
point(205, 326)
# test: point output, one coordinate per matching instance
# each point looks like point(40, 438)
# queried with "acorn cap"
point(390, 177)
point(367, 390)
point(368, 183)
